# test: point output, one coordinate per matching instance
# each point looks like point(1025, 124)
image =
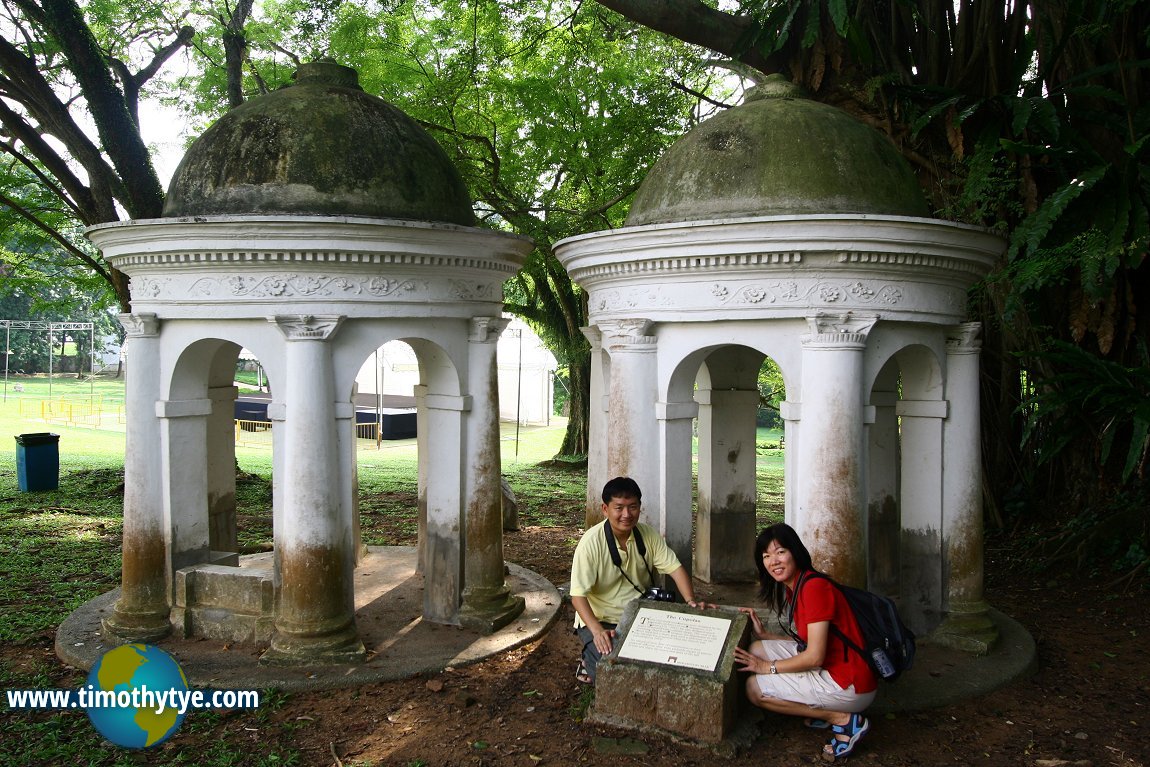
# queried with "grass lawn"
point(62, 547)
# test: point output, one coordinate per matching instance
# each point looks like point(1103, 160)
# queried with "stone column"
point(141, 614)
point(348, 472)
point(725, 525)
point(184, 455)
point(632, 429)
point(598, 404)
point(487, 602)
point(277, 417)
point(829, 515)
point(315, 615)
point(222, 534)
point(423, 459)
point(967, 625)
point(884, 527)
point(792, 414)
point(674, 514)
point(444, 528)
point(920, 496)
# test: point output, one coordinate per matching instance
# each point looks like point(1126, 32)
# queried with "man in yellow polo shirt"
point(600, 587)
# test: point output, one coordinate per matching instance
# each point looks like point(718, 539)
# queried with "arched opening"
point(741, 471)
point(385, 430)
point(738, 464)
point(199, 438)
point(215, 430)
point(408, 388)
point(904, 484)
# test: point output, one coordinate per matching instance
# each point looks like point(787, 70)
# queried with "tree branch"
point(695, 22)
point(696, 94)
point(601, 209)
point(119, 133)
point(26, 85)
point(133, 83)
point(11, 150)
point(33, 219)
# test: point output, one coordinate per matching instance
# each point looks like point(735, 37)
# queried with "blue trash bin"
point(38, 461)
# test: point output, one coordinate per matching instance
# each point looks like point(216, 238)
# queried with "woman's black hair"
point(771, 591)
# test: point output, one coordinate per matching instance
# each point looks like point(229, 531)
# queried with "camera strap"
point(613, 548)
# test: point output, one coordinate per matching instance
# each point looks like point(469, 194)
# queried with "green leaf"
point(840, 15)
point(811, 30)
point(935, 110)
point(1044, 117)
point(1021, 109)
point(1034, 228)
point(1139, 443)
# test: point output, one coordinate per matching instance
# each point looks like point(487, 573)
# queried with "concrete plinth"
point(971, 631)
point(304, 650)
point(487, 613)
point(234, 604)
point(687, 703)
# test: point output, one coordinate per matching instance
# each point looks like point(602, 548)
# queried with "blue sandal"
point(816, 724)
point(854, 730)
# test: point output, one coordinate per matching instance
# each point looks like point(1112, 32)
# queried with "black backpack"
point(888, 644)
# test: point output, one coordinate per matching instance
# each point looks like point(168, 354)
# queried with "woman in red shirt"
point(811, 673)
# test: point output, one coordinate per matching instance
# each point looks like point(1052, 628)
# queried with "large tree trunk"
point(576, 440)
point(119, 134)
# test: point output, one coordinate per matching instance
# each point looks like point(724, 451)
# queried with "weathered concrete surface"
point(697, 705)
point(233, 604)
point(399, 642)
point(321, 146)
point(757, 160)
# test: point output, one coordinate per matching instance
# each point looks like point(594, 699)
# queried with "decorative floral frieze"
point(145, 287)
point(613, 299)
point(299, 285)
point(824, 292)
point(786, 296)
point(473, 291)
point(382, 286)
point(290, 285)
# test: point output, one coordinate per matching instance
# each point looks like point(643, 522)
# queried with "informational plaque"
point(676, 639)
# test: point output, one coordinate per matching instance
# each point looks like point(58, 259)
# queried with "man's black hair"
point(622, 487)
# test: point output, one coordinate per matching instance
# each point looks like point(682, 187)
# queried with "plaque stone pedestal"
point(673, 671)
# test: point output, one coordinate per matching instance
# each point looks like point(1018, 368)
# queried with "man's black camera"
point(656, 594)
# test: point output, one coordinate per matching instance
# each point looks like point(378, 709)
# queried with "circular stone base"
point(389, 603)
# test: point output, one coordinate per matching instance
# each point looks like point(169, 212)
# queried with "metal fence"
point(96, 412)
point(259, 434)
point(93, 412)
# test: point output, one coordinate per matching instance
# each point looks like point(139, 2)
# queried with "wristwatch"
point(773, 669)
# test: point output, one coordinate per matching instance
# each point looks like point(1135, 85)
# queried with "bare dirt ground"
point(1087, 706)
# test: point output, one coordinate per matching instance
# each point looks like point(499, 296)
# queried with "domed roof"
point(321, 146)
point(778, 153)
